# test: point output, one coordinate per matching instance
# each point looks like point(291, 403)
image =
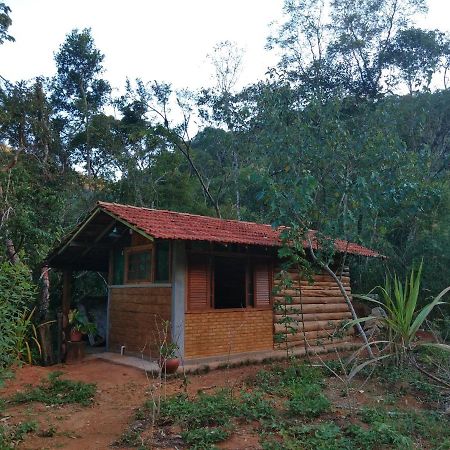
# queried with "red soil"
point(120, 391)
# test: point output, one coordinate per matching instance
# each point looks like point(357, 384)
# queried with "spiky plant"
point(403, 318)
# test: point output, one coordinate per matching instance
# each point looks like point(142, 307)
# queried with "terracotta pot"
point(76, 336)
point(169, 365)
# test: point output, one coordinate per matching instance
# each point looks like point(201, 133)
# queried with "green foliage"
point(5, 23)
point(17, 294)
point(308, 400)
point(80, 323)
point(56, 391)
point(401, 380)
point(10, 436)
point(254, 406)
point(206, 410)
point(168, 350)
point(403, 319)
point(281, 381)
point(204, 438)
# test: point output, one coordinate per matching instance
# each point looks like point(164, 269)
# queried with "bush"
point(17, 294)
point(308, 400)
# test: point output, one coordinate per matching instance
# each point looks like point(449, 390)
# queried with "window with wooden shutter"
point(262, 283)
point(198, 286)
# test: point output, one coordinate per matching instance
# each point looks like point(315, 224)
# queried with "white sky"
point(166, 40)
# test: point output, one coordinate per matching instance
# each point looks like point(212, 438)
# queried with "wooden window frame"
point(139, 249)
point(249, 277)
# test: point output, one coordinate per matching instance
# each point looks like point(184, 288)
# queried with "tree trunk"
point(44, 329)
point(346, 297)
point(11, 252)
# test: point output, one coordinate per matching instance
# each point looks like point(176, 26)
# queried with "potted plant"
point(168, 360)
point(79, 326)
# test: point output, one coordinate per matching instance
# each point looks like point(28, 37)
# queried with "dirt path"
point(120, 390)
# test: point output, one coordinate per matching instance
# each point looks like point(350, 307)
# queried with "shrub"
point(308, 400)
point(17, 293)
point(403, 318)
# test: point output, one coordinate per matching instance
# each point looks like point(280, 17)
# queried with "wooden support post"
point(66, 300)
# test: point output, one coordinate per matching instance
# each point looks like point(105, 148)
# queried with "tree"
point(5, 23)
point(363, 33)
point(339, 47)
point(79, 93)
point(418, 55)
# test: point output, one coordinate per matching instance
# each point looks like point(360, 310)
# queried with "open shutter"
point(262, 273)
point(198, 290)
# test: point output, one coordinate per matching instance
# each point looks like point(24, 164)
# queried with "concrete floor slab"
point(223, 361)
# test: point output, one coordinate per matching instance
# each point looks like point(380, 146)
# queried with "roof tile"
point(163, 224)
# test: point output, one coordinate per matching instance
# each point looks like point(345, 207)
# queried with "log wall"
point(315, 314)
point(135, 318)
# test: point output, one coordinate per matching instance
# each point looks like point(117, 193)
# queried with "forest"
point(350, 131)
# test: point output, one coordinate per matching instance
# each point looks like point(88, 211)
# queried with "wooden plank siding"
point(315, 313)
point(135, 318)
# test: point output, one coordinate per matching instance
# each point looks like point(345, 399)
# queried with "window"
point(139, 265)
point(223, 282)
point(142, 264)
point(162, 269)
point(118, 266)
point(230, 283)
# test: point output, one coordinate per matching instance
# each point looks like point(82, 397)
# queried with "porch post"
point(178, 293)
point(66, 299)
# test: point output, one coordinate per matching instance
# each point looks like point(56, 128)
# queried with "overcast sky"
point(163, 40)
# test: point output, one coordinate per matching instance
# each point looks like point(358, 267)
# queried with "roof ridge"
point(100, 203)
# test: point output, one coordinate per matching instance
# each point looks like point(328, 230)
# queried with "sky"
point(165, 40)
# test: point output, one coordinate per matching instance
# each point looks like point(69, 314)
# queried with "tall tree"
point(417, 55)
point(5, 23)
point(80, 93)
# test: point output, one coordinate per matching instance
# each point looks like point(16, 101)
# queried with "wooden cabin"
point(211, 279)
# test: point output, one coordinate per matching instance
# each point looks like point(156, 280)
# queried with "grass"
point(56, 391)
point(289, 409)
point(53, 391)
point(11, 435)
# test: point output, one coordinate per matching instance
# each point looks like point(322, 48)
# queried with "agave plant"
point(403, 318)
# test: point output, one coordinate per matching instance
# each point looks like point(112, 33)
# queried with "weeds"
point(56, 391)
point(205, 411)
point(204, 438)
point(308, 400)
point(11, 435)
point(291, 411)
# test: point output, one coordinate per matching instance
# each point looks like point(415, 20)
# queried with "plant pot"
point(169, 365)
point(76, 336)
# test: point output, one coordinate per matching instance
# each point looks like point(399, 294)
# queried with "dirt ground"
point(120, 391)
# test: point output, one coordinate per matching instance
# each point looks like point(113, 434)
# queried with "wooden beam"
point(129, 225)
point(67, 291)
point(99, 237)
point(82, 227)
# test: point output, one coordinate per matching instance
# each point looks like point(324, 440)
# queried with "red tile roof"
point(163, 224)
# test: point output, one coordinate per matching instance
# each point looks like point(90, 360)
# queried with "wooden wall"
point(316, 312)
point(135, 313)
point(220, 332)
